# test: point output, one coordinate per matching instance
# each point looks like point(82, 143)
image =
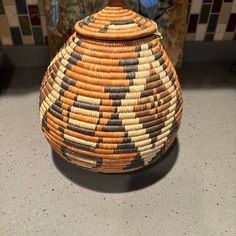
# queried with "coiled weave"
point(110, 100)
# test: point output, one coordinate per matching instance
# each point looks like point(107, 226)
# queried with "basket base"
point(117, 171)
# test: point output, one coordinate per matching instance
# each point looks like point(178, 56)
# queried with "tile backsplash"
point(211, 20)
point(24, 22)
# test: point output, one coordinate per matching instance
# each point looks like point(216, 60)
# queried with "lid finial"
point(116, 3)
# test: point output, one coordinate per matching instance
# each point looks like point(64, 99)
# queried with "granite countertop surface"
point(190, 191)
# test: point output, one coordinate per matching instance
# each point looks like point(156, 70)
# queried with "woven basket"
point(110, 100)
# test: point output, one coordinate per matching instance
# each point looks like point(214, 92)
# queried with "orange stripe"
point(108, 146)
point(76, 150)
point(72, 133)
point(103, 121)
point(68, 94)
point(106, 109)
point(66, 100)
point(109, 134)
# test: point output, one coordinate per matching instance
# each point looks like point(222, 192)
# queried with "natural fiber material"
point(115, 23)
point(110, 100)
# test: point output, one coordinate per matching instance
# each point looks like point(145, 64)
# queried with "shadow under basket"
point(110, 100)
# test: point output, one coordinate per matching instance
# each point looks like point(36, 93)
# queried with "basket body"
point(110, 100)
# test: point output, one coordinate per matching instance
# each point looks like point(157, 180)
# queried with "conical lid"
point(115, 22)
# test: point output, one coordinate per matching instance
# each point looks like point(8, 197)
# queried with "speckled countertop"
point(191, 191)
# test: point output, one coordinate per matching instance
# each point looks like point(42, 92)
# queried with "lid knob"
point(116, 3)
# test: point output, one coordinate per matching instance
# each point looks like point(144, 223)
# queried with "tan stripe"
point(80, 141)
point(113, 27)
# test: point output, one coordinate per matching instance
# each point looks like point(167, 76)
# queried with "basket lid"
point(115, 22)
